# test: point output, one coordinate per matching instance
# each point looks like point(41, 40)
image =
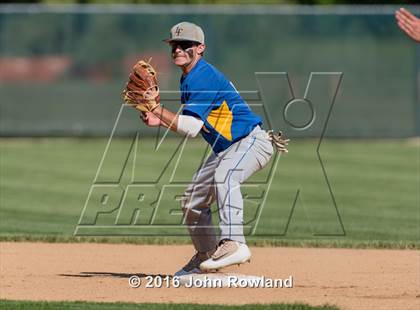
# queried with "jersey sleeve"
point(202, 96)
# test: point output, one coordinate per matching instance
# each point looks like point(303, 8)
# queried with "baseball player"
point(408, 23)
point(213, 108)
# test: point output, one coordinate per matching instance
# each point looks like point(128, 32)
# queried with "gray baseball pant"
point(219, 178)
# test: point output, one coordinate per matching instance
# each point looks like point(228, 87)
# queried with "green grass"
point(45, 182)
point(252, 241)
point(20, 305)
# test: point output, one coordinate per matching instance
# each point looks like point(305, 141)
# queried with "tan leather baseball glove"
point(142, 90)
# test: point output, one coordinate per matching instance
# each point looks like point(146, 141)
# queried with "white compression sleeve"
point(189, 125)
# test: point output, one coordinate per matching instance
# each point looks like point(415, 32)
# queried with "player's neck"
point(187, 69)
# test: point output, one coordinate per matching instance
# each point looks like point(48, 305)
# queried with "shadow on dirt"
point(113, 275)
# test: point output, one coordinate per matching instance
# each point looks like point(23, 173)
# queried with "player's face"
point(184, 52)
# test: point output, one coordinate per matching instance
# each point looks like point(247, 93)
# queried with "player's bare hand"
point(150, 119)
point(408, 23)
point(279, 141)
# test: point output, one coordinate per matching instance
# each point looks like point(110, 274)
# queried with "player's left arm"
point(160, 117)
point(183, 124)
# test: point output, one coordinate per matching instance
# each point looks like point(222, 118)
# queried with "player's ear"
point(201, 48)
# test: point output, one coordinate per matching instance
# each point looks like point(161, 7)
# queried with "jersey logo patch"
point(221, 120)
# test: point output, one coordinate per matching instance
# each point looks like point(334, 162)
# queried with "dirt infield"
point(350, 279)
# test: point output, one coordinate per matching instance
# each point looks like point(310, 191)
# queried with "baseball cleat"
point(228, 253)
point(193, 265)
point(183, 272)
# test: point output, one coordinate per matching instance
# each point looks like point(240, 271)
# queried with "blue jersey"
point(208, 95)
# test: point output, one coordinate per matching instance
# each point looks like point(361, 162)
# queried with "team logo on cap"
point(178, 31)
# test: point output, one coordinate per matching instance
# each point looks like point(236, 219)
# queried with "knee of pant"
point(223, 177)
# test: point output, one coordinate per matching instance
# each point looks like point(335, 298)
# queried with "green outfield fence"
point(62, 67)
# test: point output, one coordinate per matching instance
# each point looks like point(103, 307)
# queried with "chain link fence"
point(62, 68)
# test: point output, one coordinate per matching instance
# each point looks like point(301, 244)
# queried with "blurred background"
point(64, 64)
